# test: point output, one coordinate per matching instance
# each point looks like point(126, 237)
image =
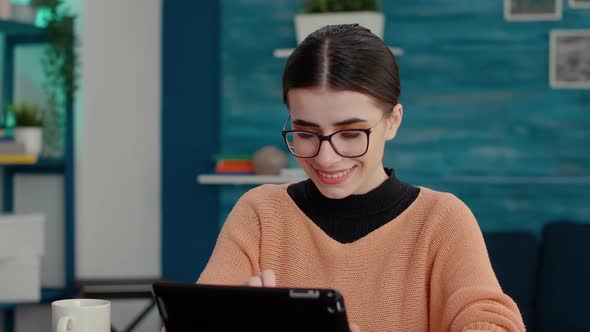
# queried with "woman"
point(405, 258)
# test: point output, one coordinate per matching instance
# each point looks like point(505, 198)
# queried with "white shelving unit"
point(247, 179)
point(285, 52)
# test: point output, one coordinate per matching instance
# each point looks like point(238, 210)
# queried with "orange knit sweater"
point(426, 270)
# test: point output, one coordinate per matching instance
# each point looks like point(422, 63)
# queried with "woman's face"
point(325, 111)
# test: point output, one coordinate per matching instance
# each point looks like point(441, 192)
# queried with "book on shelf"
point(24, 159)
point(232, 163)
point(12, 147)
point(234, 166)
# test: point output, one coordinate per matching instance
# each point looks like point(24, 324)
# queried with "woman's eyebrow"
point(340, 123)
point(348, 122)
point(305, 123)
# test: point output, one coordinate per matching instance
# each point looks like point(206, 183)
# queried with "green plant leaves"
point(26, 114)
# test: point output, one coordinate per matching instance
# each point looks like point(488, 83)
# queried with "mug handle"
point(62, 324)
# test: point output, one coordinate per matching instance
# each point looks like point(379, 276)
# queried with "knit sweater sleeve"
point(464, 292)
point(236, 253)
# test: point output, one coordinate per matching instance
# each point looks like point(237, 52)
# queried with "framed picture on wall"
point(580, 4)
point(533, 10)
point(569, 59)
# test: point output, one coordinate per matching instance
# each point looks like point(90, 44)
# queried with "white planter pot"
point(308, 23)
point(31, 137)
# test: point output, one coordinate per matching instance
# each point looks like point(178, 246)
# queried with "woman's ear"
point(394, 120)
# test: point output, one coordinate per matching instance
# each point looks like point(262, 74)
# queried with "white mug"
point(81, 315)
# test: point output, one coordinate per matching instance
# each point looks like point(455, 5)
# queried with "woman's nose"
point(326, 156)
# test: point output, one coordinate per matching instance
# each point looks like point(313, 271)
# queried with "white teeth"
point(335, 175)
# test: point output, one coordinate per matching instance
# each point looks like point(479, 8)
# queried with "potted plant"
point(61, 58)
point(60, 62)
point(29, 126)
point(319, 13)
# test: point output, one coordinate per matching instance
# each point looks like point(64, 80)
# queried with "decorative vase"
point(308, 23)
point(269, 161)
point(31, 137)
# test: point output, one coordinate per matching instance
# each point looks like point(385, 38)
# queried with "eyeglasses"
point(348, 143)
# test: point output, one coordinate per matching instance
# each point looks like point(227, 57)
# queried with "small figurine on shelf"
point(8, 124)
point(8, 147)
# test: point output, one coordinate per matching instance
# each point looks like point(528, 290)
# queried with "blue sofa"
point(548, 277)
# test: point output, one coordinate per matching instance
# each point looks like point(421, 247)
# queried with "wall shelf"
point(17, 34)
point(247, 179)
point(16, 28)
point(285, 52)
point(42, 166)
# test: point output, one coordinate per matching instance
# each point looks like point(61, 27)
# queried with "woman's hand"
point(354, 328)
point(266, 278)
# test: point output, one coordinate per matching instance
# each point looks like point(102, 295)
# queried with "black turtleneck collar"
point(351, 218)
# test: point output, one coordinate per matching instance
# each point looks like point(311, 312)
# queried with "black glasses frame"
point(328, 138)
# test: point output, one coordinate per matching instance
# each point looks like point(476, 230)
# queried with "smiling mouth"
point(334, 175)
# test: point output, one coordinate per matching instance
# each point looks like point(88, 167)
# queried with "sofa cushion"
point(564, 292)
point(514, 259)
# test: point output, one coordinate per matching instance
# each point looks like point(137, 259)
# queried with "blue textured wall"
point(190, 100)
point(480, 118)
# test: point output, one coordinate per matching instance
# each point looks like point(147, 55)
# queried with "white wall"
point(118, 146)
point(118, 156)
point(118, 151)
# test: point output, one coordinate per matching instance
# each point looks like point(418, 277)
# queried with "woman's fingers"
point(354, 328)
point(269, 279)
point(253, 282)
point(266, 278)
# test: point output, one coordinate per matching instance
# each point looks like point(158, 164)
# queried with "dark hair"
point(344, 57)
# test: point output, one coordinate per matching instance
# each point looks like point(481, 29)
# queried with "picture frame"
point(533, 10)
point(579, 4)
point(569, 59)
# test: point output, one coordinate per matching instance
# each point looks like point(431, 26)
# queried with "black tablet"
point(207, 308)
